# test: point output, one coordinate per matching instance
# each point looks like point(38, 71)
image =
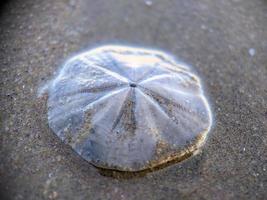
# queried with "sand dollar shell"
point(128, 108)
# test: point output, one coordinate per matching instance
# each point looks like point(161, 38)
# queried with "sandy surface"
point(226, 42)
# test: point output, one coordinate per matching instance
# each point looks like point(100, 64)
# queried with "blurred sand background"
point(226, 42)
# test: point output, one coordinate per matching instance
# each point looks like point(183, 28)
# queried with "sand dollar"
point(128, 108)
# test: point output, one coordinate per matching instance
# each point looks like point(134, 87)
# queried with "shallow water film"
point(128, 108)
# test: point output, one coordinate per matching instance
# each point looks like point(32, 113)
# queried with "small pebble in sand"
point(148, 3)
point(252, 52)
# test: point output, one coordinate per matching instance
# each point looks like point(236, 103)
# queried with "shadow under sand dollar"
point(138, 174)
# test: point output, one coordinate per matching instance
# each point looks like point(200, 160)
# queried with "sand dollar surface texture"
point(128, 108)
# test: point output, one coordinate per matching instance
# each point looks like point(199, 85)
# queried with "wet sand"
point(225, 41)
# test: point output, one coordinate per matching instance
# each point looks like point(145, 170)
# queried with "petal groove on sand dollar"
point(128, 108)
